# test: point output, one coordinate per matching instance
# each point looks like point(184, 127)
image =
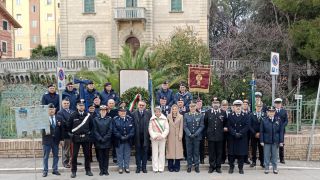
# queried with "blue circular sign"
point(61, 75)
point(275, 60)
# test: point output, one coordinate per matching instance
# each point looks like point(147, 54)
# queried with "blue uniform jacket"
point(105, 96)
point(193, 124)
point(88, 97)
point(48, 98)
point(123, 128)
point(168, 94)
point(187, 98)
point(271, 132)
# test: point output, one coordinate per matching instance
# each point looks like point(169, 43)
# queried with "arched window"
point(90, 46)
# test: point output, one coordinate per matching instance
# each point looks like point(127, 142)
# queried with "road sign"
point(61, 78)
point(297, 96)
point(275, 61)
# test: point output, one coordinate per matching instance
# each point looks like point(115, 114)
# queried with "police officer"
point(89, 94)
point(80, 133)
point(255, 121)
point(182, 108)
point(108, 93)
point(193, 126)
point(124, 130)
point(282, 115)
point(72, 94)
point(51, 96)
point(246, 111)
point(237, 137)
point(165, 109)
point(215, 123)
point(184, 94)
point(166, 92)
point(202, 111)
point(227, 110)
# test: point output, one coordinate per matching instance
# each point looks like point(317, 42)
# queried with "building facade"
point(7, 27)
point(39, 19)
point(91, 26)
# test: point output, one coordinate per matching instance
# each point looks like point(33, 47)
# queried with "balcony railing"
point(132, 13)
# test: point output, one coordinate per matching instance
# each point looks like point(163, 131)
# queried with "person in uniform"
point(199, 106)
point(108, 93)
point(238, 127)
point(102, 130)
point(141, 118)
point(227, 110)
point(215, 123)
point(282, 115)
point(80, 133)
point(51, 96)
point(193, 126)
point(166, 92)
point(184, 94)
point(113, 112)
point(89, 94)
point(51, 140)
point(255, 121)
point(182, 108)
point(63, 116)
point(93, 113)
point(246, 111)
point(258, 96)
point(271, 137)
point(165, 109)
point(158, 130)
point(72, 94)
point(123, 130)
point(174, 151)
point(97, 104)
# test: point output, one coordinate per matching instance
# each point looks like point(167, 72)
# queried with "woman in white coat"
point(158, 130)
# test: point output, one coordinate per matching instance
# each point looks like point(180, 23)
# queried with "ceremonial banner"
point(199, 78)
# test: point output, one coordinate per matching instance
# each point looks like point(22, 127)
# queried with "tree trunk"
point(290, 73)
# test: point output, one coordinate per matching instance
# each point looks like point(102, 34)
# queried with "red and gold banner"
point(199, 78)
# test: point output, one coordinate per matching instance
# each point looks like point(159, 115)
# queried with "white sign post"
point(274, 71)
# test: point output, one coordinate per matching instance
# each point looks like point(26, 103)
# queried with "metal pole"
point(313, 124)
point(298, 105)
point(273, 88)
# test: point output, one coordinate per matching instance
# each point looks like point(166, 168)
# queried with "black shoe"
point(79, 163)
point(73, 175)
point(171, 170)
point(138, 170)
point(149, 159)
point(211, 169)
point(101, 173)
point(218, 170)
point(66, 166)
point(275, 171)
point(253, 164)
point(197, 169)
point(262, 165)
point(115, 161)
point(241, 171)
point(282, 161)
point(189, 170)
point(177, 170)
point(144, 171)
point(127, 170)
point(246, 161)
point(56, 173)
point(89, 173)
point(230, 170)
point(106, 173)
point(44, 174)
point(202, 161)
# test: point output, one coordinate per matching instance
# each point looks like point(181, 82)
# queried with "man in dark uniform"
point(227, 110)
point(141, 118)
point(246, 111)
point(51, 140)
point(193, 126)
point(255, 121)
point(184, 94)
point(215, 123)
point(80, 133)
point(202, 111)
point(108, 93)
point(93, 114)
point(63, 116)
point(72, 94)
point(165, 109)
point(51, 96)
point(165, 91)
point(281, 114)
point(89, 93)
point(237, 138)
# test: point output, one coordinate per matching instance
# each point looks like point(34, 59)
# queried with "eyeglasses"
point(141, 105)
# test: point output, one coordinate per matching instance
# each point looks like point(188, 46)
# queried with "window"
point(34, 39)
point(4, 46)
point(5, 25)
point(90, 46)
point(19, 17)
point(19, 47)
point(176, 5)
point(18, 2)
point(88, 6)
point(50, 17)
point(131, 3)
point(49, 2)
point(33, 9)
point(34, 23)
point(19, 32)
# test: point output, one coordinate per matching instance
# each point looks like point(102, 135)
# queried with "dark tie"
point(53, 124)
point(141, 113)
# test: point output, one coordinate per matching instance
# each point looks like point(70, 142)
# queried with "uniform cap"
point(278, 100)
point(258, 94)
point(237, 102)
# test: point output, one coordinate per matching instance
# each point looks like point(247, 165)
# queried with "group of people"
point(178, 129)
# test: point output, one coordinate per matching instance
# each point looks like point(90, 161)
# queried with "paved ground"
point(249, 174)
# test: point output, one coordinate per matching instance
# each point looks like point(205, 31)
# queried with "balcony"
point(130, 14)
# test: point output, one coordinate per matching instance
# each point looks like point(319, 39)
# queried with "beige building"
point(39, 21)
point(91, 26)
